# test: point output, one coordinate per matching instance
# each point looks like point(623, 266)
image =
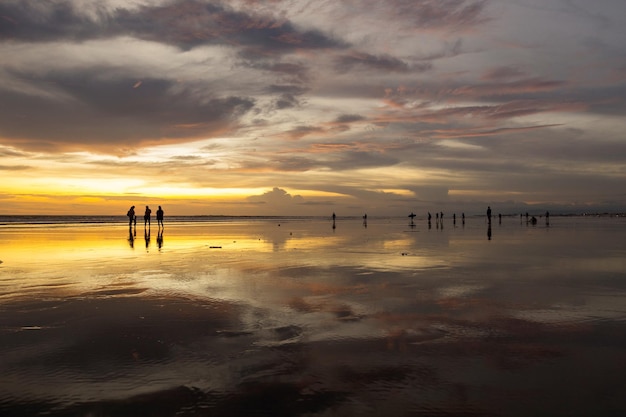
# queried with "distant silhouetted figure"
point(463, 218)
point(437, 217)
point(533, 220)
point(365, 220)
point(441, 215)
point(429, 216)
point(146, 217)
point(489, 214)
point(499, 218)
point(159, 217)
point(131, 215)
point(547, 218)
point(454, 218)
point(334, 217)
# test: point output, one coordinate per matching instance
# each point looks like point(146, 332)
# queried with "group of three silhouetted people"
point(132, 218)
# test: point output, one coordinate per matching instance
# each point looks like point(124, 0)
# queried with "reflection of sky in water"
point(308, 264)
point(221, 298)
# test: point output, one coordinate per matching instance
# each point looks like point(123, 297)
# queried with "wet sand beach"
point(292, 317)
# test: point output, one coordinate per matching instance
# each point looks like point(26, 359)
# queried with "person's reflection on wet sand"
point(146, 236)
point(160, 239)
point(131, 237)
point(489, 231)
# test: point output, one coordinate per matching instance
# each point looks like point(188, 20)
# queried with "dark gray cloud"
point(361, 60)
point(183, 23)
point(292, 72)
point(287, 95)
point(349, 118)
point(431, 14)
point(118, 111)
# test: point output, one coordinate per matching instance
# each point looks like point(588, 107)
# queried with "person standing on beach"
point(131, 216)
point(489, 214)
point(146, 217)
point(159, 216)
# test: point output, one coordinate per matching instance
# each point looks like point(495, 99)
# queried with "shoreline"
point(9, 220)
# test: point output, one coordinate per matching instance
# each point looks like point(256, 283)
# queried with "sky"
point(287, 107)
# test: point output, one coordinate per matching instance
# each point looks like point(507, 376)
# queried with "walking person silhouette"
point(159, 217)
point(131, 216)
point(146, 217)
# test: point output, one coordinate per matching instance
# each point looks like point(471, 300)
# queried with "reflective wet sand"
point(284, 318)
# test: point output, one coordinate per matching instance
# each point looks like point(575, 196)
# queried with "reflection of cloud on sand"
point(460, 290)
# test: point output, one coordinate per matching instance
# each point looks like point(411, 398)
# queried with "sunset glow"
point(275, 108)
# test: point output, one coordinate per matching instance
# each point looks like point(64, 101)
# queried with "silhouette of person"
point(146, 217)
point(131, 216)
point(365, 220)
point(159, 216)
point(489, 214)
point(429, 217)
point(463, 217)
point(547, 217)
point(499, 218)
point(454, 218)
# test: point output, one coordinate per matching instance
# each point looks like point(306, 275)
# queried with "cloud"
point(277, 200)
point(14, 167)
point(108, 113)
point(183, 23)
point(349, 118)
point(361, 60)
point(503, 73)
point(424, 96)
